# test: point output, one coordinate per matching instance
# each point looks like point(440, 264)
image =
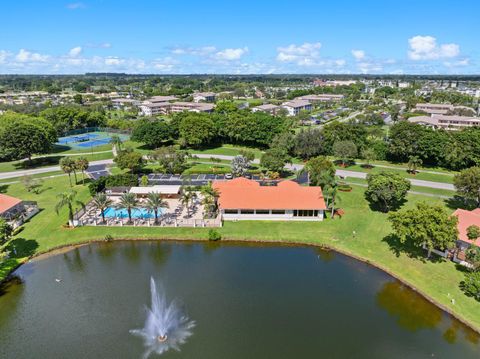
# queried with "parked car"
point(228, 176)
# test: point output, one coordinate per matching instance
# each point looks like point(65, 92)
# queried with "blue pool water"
point(112, 212)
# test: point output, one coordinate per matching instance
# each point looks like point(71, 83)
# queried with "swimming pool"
point(112, 212)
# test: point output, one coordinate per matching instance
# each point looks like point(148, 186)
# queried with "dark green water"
point(248, 302)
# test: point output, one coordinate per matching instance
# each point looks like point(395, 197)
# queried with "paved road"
point(4, 175)
point(346, 173)
point(294, 167)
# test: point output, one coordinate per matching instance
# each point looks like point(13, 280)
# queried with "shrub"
point(97, 186)
point(214, 235)
point(471, 285)
point(125, 179)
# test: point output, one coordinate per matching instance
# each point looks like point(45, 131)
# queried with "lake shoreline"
point(69, 247)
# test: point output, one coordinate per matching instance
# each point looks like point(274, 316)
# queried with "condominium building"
point(321, 98)
point(165, 108)
point(446, 122)
point(434, 108)
point(268, 108)
point(295, 106)
point(204, 97)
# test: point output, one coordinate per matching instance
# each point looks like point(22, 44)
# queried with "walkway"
point(293, 167)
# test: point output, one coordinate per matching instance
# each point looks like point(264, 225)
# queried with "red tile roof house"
point(244, 199)
point(465, 220)
point(15, 210)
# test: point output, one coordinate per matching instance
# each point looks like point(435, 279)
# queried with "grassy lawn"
point(437, 279)
point(54, 158)
point(48, 161)
point(435, 191)
point(229, 150)
point(207, 168)
point(425, 176)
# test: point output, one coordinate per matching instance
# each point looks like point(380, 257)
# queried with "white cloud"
point(426, 48)
point(113, 61)
point(231, 54)
point(459, 63)
point(101, 45)
point(74, 52)
point(3, 56)
point(307, 54)
point(358, 54)
point(75, 6)
point(27, 56)
point(340, 62)
point(200, 51)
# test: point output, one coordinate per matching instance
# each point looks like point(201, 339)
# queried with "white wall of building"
point(288, 216)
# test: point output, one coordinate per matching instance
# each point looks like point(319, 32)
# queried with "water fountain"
point(166, 327)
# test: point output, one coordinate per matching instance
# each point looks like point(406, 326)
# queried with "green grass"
point(38, 175)
point(207, 168)
point(439, 280)
point(428, 190)
point(54, 158)
point(229, 150)
point(425, 176)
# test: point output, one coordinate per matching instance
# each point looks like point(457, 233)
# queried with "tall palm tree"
point(128, 201)
point(116, 143)
point(187, 198)
point(82, 164)
point(67, 199)
point(67, 165)
point(209, 200)
point(154, 203)
point(101, 202)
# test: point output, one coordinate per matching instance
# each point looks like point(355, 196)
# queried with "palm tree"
point(67, 165)
point(67, 199)
point(209, 201)
point(82, 164)
point(154, 203)
point(187, 196)
point(116, 142)
point(101, 202)
point(129, 202)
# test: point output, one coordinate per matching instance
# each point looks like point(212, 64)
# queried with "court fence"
point(80, 131)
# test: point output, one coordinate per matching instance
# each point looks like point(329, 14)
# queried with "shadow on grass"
point(398, 248)
point(21, 247)
point(38, 162)
point(377, 207)
point(344, 164)
point(460, 202)
point(3, 188)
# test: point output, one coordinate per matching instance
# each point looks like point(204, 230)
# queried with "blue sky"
point(146, 36)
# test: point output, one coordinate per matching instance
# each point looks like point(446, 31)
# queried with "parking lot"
point(97, 171)
point(194, 179)
point(198, 179)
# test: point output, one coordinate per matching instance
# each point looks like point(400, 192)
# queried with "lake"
point(248, 301)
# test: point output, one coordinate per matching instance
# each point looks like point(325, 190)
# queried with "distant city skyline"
point(247, 37)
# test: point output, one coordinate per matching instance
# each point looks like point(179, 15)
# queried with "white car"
point(228, 176)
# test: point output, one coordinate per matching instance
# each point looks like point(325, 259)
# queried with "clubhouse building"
point(244, 199)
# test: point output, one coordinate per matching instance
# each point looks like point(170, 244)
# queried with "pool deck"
point(176, 215)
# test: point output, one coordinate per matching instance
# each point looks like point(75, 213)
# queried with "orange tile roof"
point(242, 193)
point(7, 202)
point(465, 220)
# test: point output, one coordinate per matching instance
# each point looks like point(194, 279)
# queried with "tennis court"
point(89, 140)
